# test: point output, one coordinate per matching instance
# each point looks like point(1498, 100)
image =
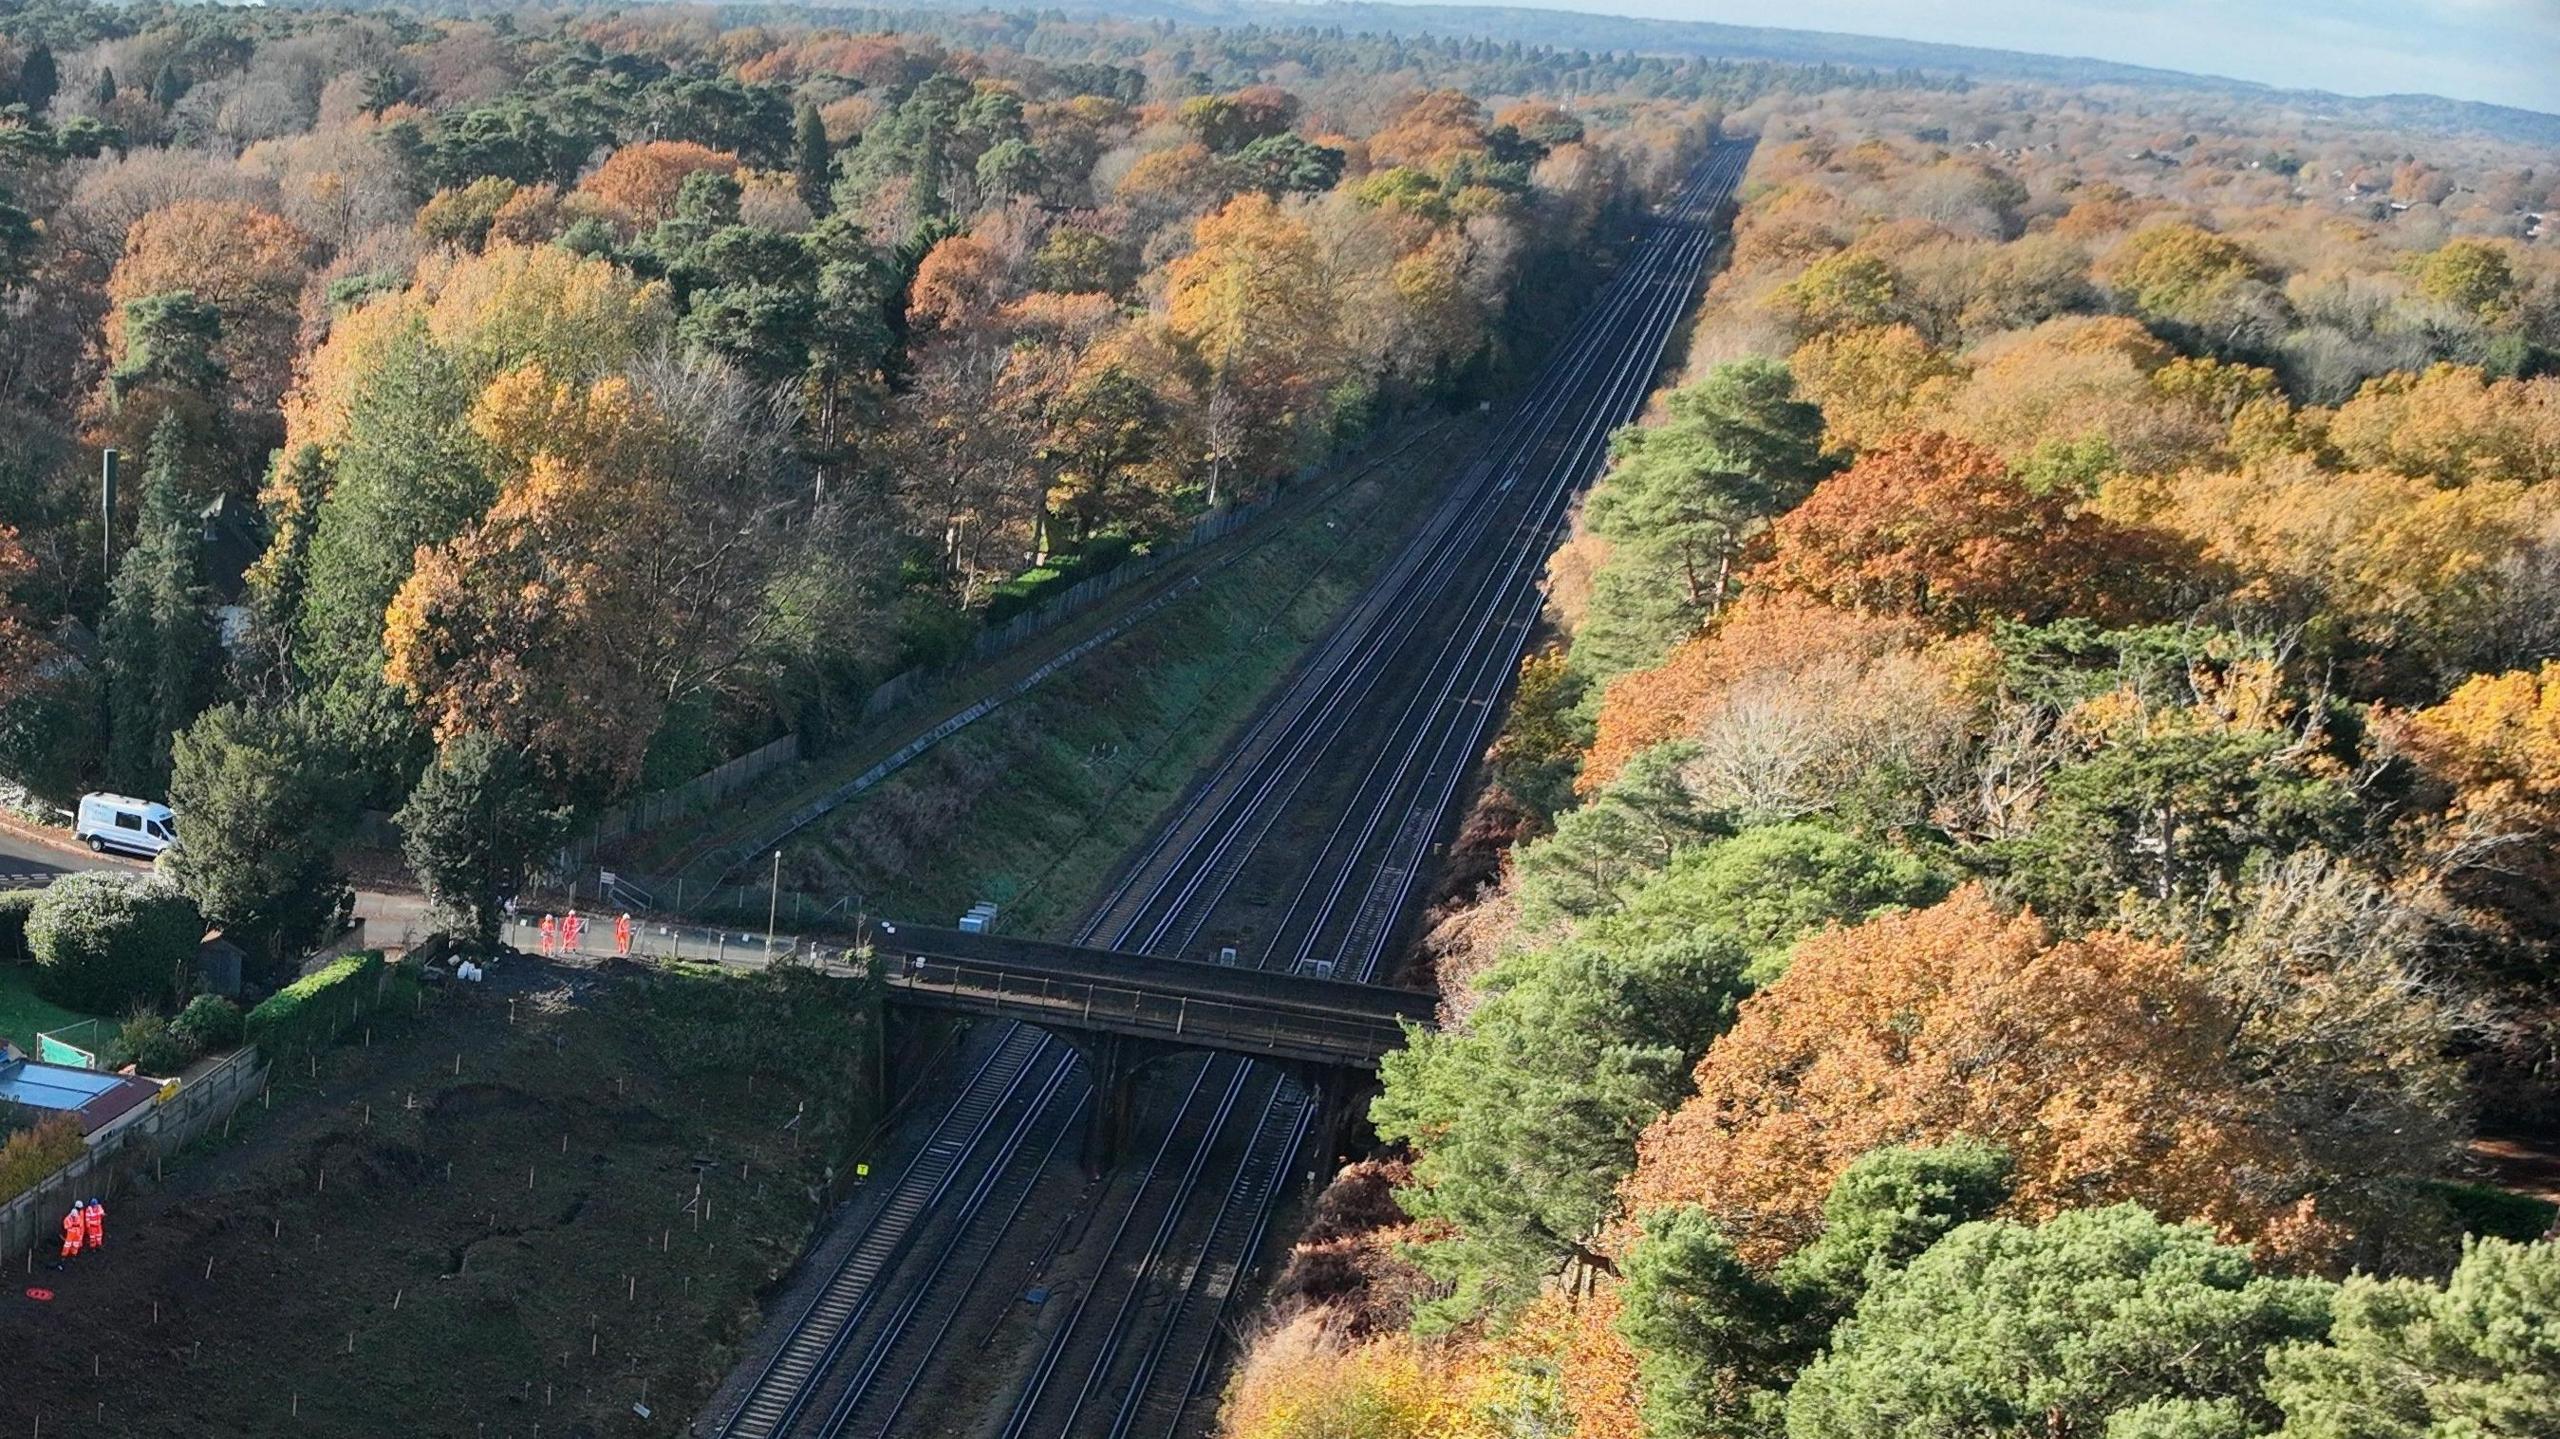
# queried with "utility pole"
point(772, 908)
point(107, 513)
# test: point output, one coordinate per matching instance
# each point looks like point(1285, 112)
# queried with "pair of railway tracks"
point(1408, 681)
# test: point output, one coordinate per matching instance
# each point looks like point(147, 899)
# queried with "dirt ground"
point(543, 1205)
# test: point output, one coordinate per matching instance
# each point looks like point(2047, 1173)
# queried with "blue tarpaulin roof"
point(98, 1099)
point(51, 1086)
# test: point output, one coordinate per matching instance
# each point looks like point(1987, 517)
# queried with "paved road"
point(26, 861)
point(31, 857)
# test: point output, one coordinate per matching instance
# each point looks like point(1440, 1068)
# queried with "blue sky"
point(2504, 51)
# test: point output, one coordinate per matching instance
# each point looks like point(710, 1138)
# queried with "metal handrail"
point(1176, 1015)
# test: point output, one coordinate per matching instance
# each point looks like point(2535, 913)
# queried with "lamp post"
point(772, 908)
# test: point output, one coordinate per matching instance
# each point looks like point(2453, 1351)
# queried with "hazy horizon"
point(2505, 52)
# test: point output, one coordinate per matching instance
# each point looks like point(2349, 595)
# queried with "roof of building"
point(96, 1098)
point(234, 535)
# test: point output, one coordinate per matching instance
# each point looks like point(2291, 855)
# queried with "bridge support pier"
point(1111, 1064)
point(1337, 1098)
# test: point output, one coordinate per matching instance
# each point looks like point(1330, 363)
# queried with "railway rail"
point(1402, 693)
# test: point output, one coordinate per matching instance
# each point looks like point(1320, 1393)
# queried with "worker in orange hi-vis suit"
point(574, 931)
point(622, 936)
point(547, 931)
point(94, 1218)
point(74, 1225)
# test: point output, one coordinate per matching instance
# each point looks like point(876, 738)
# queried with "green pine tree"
point(471, 830)
point(261, 798)
point(163, 658)
point(38, 79)
point(813, 160)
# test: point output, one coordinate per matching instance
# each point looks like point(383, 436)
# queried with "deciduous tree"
point(23, 648)
point(1937, 529)
point(2496, 742)
point(621, 568)
point(2471, 275)
point(1251, 301)
point(2453, 425)
point(2095, 1062)
point(640, 181)
point(1872, 383)
point(245, 262)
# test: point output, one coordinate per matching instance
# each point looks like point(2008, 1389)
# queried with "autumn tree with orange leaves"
point(2496, 741)
point(2493, 746)
point(241, 269)
point(22, 649)
point(248, 263)
point(622, 567)
point(640, 181)
point(2097, 1062)
point(1252, 302)
point(1937, 529)
point(1771, 644)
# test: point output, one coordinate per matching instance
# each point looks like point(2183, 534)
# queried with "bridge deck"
point(1187, 1002)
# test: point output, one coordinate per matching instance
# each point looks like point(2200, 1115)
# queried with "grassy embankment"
point(540, 1202)
point(1034, 805)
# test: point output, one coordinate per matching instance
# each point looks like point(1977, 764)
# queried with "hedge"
point(210, 1021)
point(14, 905)
point(104, 942)
point(318, 1007)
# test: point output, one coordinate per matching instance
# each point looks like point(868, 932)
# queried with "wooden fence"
point(31, 1223)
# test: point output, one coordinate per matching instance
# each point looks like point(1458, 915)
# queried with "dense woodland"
point(2002, 912)
point(549, 404)
point(2032, 857)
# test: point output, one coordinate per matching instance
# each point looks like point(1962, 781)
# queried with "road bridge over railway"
point(1122, 1011)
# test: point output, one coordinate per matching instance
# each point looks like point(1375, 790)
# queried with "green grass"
point(1033, 806)
point(23, 1011)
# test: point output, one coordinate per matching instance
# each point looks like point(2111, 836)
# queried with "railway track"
point(1416, 669)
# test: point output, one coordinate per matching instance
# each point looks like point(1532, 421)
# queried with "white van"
point(118, 821)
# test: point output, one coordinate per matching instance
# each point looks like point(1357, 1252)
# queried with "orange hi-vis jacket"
point(96, 1218)
point(73, 1224)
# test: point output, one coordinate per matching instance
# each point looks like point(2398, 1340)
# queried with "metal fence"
point(698, 793)
point(731, 947)
point(1086, 592)
point(724, 861)
point(907, 685)
point(30, 1223)
point(708, 788)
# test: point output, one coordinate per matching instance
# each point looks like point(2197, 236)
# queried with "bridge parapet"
point(1263, 1029)
point(1121, 1011)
